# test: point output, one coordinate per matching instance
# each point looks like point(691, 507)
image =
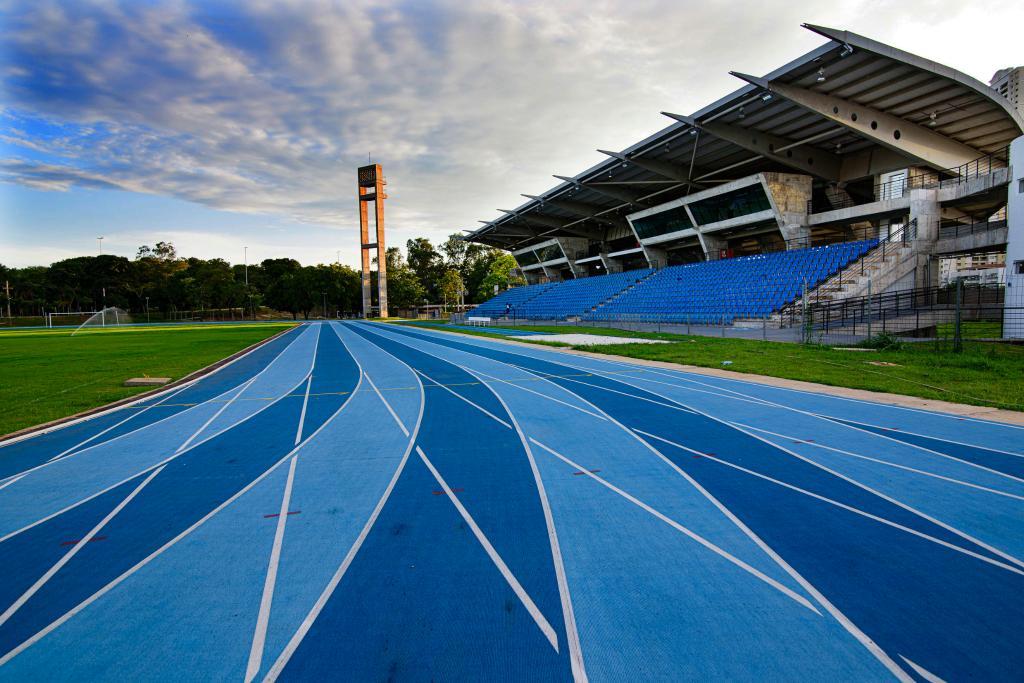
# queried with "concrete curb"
point(1010, 417)
point(93, 412)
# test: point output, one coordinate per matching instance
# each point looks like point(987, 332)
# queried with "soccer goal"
point(56, 319)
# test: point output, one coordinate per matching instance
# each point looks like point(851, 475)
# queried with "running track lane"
point(423, 600)
point(915, 597)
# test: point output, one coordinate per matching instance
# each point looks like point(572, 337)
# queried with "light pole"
point(147, 309)
point(325, 304)
point(100, 239)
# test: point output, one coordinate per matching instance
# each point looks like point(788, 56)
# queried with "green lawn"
point(45, 375)
point(985, 374)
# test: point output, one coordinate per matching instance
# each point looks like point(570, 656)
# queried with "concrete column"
point(797, 235)
point(656, 257)
point(711, 245)
point(789, 194)
point(1013, 311)
point(610, 264)
point(924, 208)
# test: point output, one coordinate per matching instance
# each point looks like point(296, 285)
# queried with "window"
point(527, 258)
point(672, 220)
point(550, 253)
point(1018, 267)
point(1020, 186)
point(733, 204)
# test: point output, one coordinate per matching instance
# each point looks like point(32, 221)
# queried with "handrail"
point(952, 229)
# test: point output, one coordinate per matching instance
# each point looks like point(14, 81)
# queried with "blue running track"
point(358, 501)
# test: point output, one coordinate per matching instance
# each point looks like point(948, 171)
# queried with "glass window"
point(527, 258)
point(742, 202)
point(663, 223)
point(550, 253)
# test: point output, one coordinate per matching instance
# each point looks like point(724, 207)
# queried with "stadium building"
point(855, 169)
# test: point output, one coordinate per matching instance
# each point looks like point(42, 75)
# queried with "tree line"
point(163, 285)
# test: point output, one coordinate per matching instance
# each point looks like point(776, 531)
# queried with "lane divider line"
point(41, 581)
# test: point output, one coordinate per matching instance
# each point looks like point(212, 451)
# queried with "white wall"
point(1013, 315)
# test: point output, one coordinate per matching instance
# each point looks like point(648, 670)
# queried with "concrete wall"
point(1013, 314)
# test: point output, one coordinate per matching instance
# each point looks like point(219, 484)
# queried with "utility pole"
point(147, 309)
point(245, 258)
point(7, 289)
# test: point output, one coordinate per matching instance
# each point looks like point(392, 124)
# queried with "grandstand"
point(723, 214)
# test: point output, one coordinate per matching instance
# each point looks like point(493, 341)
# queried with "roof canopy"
point(847, 110)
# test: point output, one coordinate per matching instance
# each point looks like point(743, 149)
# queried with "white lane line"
point(861, 637)
point(458, 395)
point(883, 462)
point(514, 383)
point(302, 415)
point(118, 424)
point(318, 606)
point(836, 503)
point(648, 371)
point(401, 425)
point(11, 481)
point(598, 386)
point(259, 637)
point(41, 581)
point(721, 552)
point(506, 573)
point(579, 671)
point(923, 672)
point(890, 499)
point(927, 436)
point(136, 474)
point(159, 551)
point(844, 423)
point(184, 446)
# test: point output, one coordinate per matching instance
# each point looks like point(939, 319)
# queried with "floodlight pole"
point(100, 239)
point(147, 309)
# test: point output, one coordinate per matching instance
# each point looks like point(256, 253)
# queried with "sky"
point(224, 125)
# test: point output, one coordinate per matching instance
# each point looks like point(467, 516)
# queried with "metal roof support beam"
point(801, 157)
point(613, 192)
point(908, 138)
point(662, 168)
point(578, 208)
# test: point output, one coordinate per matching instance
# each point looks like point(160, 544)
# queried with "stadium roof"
point(851, 108)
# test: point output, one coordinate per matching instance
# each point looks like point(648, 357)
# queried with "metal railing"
point(953, 229)
point(899, 187)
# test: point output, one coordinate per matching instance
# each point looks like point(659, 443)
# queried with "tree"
point(500, 273)
point(426, 264)
point(404, 289)
point(452, 286)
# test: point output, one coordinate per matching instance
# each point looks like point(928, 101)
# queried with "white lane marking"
point(836, 503)
point(259, 637)
point(883, 462)
point(933, 520)
point(159, 551)
point(598, 386)
point(579, 671)
point(458, 395)
point(721, 552)
point(41, 581)
point(506, 573)
point(861, 637)
point(185, 444)
point(648, 371)
point(845, 423)
point(11, 481)
point(152, 424)
point(97, 435)
point(923, 672)
point(401, 425)
point(514, 383)
point(302, 415)
point(927, 436)
point(314, 612)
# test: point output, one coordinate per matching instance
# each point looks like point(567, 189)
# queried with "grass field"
point(985, 374)
point(45, 375)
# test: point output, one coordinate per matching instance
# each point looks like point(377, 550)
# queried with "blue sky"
point(218, 125)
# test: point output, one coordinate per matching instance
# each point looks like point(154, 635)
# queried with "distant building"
point(1010, 84)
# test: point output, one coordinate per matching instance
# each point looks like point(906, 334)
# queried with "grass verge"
point(984, 374)
point(48, 374)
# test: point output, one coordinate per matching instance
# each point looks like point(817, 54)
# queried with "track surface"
point(366, 502)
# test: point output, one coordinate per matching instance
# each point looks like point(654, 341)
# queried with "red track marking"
point(78, 540)
point(441, 493)
point(278, 514)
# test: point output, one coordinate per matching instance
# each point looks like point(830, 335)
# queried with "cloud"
point(267, 106)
